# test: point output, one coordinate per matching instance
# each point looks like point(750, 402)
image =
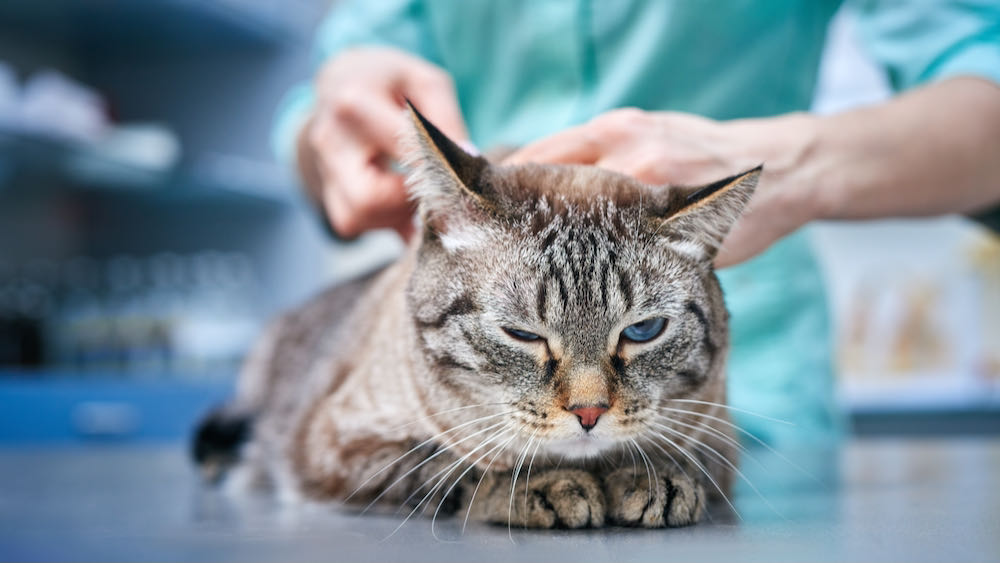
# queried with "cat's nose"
point(588, 415)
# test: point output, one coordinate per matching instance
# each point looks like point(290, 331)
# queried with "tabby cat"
point(549, 352)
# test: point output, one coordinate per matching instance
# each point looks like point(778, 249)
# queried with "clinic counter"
point(869, 500)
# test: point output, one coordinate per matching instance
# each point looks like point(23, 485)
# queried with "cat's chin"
point(581, 447)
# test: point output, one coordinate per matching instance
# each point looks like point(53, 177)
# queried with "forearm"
point(932, 151)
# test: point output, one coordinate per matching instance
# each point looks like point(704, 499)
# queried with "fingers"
point(360, 116)
point(374, 124)
point(578, 145)
point(358, 191)
point(371, 203)
point(612, 131)
point(435, 96)
point(361, 190)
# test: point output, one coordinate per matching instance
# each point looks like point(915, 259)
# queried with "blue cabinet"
point(71, 408)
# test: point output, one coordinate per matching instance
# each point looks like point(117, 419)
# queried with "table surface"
point(870, 500)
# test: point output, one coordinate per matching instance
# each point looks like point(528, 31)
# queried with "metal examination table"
point(871, 500)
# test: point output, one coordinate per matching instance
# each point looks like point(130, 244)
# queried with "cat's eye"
point(646, 330)
point(522, 334)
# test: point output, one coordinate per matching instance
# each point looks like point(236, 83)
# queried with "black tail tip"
point(218, 440)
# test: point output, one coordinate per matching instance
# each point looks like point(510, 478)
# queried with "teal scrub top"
point(527, 68)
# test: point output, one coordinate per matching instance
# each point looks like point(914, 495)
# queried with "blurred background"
point(146, 231)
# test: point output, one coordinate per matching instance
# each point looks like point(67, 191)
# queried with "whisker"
point(513, 483)
point(750, 435)
point(498, 448)
point(645, 461)
point(439, 413)
point(628, 448)
point(509, 426)
point(527, 480)
point(734, 409)
point(447, 471)
point(420, 445)
point(472, 499)
point(708, 428)
point(673, 460)
point(698, 464)
point(653, 467)
point(680, 466)
point(723, 459)
point(442, 450)
point(744, 452)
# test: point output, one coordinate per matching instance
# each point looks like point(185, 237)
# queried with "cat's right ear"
point(448, 184)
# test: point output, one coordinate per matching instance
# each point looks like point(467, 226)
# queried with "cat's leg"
point(554, 498)
point(670, 497)
point(424, 478)
point(673, 491)
point(363, 468)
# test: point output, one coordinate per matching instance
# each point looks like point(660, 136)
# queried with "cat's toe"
point(672, 501)
point(631, 500)
point(685, 501)
point(576, 501)
point(556, 499)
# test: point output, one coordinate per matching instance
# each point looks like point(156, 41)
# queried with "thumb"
point(439, 102)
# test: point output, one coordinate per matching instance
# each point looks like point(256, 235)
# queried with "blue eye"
point(646, 330)
point(522, 334)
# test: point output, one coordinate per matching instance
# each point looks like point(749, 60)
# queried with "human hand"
point(350, 144)
point(668, 148)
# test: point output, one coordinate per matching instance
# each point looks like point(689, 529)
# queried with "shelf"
point(929, 421)
point(67, 408)
point(916, 394)
point(31, 164)
point(168, 26)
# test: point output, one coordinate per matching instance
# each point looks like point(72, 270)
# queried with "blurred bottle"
point(166, 314)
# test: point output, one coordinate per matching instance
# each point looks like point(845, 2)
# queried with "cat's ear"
point(703, 215)
point(446, 181)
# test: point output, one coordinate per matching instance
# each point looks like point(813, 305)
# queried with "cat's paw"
point(561, 498)
point(673, 500)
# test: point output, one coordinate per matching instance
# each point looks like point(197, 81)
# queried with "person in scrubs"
point(713, 88)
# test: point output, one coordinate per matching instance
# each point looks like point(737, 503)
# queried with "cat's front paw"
point(673, 500)
point(561, 498)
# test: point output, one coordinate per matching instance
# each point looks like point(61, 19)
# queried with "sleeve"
point(921, 41)
point(397, 23)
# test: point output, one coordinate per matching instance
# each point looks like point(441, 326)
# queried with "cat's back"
point(296, 360)
point(296, 342)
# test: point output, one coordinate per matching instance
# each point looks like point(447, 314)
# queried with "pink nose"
point(588, 415)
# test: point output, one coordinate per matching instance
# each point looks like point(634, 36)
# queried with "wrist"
point(806, 170)
point(790, 147)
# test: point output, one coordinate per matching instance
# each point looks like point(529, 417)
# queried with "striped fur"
point(408, 390)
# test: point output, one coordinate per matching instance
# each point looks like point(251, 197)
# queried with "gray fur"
point(407, 390)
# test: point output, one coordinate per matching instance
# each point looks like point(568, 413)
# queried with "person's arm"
point(928, 152)
point(931, 151)
point(341, 131)
point(348, 150)
point(921, 42)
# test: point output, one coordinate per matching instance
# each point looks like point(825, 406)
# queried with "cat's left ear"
point(704, 215)
point(447, 182)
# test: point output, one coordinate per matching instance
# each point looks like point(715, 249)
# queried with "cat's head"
point(579, 301)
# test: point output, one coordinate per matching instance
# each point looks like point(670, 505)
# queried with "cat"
point(548, 352)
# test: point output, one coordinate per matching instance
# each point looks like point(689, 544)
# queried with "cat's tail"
point(219, 439)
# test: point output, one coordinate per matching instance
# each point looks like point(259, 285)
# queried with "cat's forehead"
point(564, 189)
